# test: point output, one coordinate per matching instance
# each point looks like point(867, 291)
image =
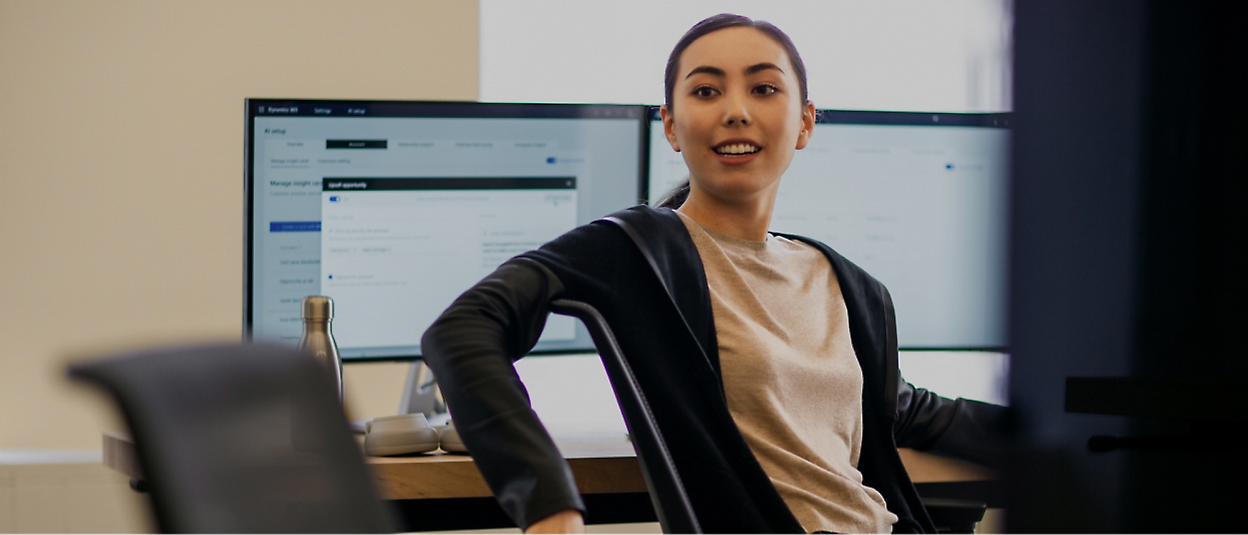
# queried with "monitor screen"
point(395, 208)
point(916, 199)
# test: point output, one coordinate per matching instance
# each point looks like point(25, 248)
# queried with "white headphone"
point(408, 433)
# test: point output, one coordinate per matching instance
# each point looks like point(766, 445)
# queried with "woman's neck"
point(748, 220)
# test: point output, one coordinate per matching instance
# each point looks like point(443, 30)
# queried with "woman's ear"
point(808, 125)
point(669, 127)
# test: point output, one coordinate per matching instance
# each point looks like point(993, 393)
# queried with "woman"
point(770, 360)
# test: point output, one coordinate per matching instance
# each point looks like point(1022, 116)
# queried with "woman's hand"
point(566, 521)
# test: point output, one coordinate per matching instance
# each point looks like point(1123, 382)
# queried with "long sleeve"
point(961, 428)
point(471, 349)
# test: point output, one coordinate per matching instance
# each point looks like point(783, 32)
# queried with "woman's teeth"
point(737, 149)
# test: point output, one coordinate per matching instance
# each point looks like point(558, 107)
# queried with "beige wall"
point(121, 148)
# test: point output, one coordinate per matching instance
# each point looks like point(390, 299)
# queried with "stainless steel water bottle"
point(318, 339)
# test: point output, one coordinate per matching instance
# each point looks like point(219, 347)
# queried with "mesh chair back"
point(667, 492)
point(241, 438)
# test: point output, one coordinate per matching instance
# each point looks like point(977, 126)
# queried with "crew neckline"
point(730, 240)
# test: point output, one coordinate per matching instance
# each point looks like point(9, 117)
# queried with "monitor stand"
point(421, 394)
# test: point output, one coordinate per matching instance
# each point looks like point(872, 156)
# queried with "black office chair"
point(241, 438)
point(667, 492)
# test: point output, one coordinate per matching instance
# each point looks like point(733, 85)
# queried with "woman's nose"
point(736, 111)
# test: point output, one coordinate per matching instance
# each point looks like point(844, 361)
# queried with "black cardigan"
point(641, 270)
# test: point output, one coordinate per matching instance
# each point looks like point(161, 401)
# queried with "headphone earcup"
point(450, 440)
point(399, 435)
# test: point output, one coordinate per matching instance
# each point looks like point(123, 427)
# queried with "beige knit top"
point(791, 378)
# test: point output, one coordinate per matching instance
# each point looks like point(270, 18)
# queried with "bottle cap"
point(318, 307)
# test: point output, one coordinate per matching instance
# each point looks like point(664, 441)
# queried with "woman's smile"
point(737, 151)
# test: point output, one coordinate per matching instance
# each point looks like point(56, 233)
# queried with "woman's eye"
point(765, 89)
point(703, 92)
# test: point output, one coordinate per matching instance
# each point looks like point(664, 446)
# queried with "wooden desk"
point(429, 490)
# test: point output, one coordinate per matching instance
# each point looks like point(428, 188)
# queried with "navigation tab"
point(355, 144)
point(278, 110)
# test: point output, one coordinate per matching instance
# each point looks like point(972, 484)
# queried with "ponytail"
point(675, 197)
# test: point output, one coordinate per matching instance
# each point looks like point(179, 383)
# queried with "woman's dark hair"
point(676, 197)
point(728, 20)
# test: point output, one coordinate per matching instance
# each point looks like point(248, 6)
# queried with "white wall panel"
point(951, 55)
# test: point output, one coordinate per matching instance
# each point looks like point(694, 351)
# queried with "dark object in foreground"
point(241, 439)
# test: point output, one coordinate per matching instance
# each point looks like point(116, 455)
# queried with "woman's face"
point(737, 114)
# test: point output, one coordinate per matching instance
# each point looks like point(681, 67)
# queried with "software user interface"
point(922, 207)
point(393, 217)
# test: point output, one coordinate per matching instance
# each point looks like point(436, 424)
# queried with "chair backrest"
point(667, 492)
point(241, 438)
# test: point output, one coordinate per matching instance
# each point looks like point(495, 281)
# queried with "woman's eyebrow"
point(718, 72)
point(706, 69)
point(755, 69)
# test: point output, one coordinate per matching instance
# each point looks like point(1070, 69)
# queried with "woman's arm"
point(471, 348)
point(962, 428)
point(569, 521)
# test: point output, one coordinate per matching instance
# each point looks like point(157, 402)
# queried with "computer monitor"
point(395, 208)
point(916, 199)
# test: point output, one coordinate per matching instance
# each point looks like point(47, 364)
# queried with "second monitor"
point(916, 199)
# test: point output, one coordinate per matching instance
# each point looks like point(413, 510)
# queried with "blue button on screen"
point(294, 226)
